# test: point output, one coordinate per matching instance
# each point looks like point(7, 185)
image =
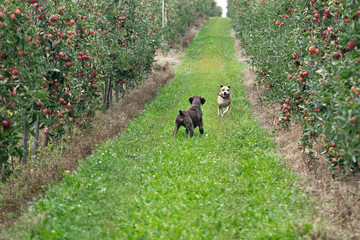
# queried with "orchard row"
point(307, 55)
point(61, 61)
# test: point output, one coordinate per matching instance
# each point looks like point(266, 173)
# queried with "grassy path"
point(225, 184)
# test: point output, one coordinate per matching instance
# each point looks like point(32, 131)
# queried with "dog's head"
point(195, 99)
point(225, 91)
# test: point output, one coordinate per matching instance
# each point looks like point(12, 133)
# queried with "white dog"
point(224, 100)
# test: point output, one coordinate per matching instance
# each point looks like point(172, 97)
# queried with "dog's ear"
point(181, 113)
point(203, 100)
point(221, 86)
point(229, 86)
point(191, 99)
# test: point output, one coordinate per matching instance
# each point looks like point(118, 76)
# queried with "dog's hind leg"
point(189, 129)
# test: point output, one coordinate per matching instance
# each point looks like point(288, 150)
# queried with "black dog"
point(192, 117)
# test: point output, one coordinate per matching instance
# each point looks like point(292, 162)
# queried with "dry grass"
point(48, 168)
point(185, 41)
point(339, 199)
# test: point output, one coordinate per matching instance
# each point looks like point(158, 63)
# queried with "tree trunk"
point(35, 144)
point(110, 92)
point(25, 139)
point(105, 94)
point(46, 140)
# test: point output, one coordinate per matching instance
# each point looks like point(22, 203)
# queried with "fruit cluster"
point(307, 54)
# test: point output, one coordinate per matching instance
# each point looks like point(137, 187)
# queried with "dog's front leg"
point(219, 112)
point(226, 110)
point(176, 128)
point(201, 129)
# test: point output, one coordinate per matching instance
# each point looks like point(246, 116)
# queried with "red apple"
point(15, 72)
point(5, 124)
point(351, 44)
point(46, 131)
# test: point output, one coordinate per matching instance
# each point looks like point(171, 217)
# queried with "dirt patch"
point(48, 168)
point(185, 41)
point(340, 198)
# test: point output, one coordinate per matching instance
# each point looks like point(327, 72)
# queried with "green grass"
point(225, 184)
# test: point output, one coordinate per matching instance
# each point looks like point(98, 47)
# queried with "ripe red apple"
point(5, 124)
point(351, 44)
point(312, 49)
point(33, 1)
point(72, 21)
point(18, 11)
point(337, 55)
point(39, 104)
point(46, 131)
point(15, 72)
point(68, 64)
point(327, 11)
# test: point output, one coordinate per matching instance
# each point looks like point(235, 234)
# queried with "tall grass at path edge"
point(225, 184)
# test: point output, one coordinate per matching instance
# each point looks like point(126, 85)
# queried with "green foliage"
point(225, 184)
point(307, 55)
point(61, 60)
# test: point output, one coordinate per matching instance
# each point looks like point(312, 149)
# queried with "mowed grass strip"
point(225, 184)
